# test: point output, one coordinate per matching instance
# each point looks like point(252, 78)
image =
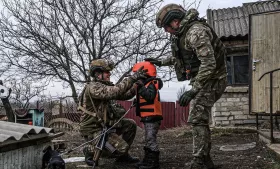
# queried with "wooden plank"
point(27, 157)
point(265, 42)
point(6, 160)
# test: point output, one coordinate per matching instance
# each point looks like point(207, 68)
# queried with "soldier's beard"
point(174, 30)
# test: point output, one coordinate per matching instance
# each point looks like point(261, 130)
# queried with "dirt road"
point(176, 148)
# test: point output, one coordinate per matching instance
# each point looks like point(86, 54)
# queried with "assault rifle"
point(102, 141)
point(99, 146)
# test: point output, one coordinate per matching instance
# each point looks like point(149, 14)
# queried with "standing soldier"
point(148, 107)
point(198, 55)
point(100, 110)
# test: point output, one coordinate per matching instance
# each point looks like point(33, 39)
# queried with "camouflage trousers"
point(121, 140)
point(151, 130)
point(200, 112)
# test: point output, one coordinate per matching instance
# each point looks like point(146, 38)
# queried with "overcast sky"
point(169, 91)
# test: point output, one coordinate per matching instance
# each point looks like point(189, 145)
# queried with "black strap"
point(147, 110)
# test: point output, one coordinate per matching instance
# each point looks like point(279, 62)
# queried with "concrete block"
point(234, 108)
point(233, 99)
point(244, 99)
point(216, 113)
point(237, 122)
point(221, 108)
point(245, 106)
point(230, 117)
point(221, 100)
point(218, 122)
point(241, 117)
point(227, 104)
point(239, 104)
point(225, 113)
point(246, 111)
point(251, 121)
point(236, 112)
point(221, 118)
point(226, 122)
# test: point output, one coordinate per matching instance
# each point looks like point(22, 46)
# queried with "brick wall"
point(233, 108)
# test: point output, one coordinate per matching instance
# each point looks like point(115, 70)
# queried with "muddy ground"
point(176, 148)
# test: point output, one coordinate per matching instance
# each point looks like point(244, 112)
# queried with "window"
point(238, 69)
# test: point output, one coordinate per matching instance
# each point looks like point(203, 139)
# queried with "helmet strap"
point(96, 75)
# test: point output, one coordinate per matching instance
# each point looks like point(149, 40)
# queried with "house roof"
point(14, 132)
point(233, 22)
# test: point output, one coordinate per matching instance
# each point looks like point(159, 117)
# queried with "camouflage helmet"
point(101, 65)
point(168, 13)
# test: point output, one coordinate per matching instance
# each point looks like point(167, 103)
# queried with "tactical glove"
point(139, 74)
point(153, 61)
point(139, 83)
point(187, 97)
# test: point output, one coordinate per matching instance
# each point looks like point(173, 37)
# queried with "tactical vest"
point(145, 108)
point(95, 116)
point(187, 63)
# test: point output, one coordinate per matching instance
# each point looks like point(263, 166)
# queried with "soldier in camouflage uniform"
point(100, 109)
point(197, 55)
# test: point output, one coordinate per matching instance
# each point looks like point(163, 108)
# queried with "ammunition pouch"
point(186, 63)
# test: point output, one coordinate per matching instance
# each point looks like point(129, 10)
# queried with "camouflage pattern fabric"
point(104, 63)
point(205, 45)
point(151, 130)
point(121, 139)
point(197, 40)
point(199, 115)
point(103, 95)
point(199, 37)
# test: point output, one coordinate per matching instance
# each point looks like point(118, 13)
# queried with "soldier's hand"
point(139, 83)
point(187, 97)
point(153, 61)
point(139, 74)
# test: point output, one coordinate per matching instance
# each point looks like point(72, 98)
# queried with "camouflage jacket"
point(99, 98)
point(197, 45)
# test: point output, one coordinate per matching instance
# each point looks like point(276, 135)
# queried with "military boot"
point(126, 158)
point(208, 162)
point(145, 159)
point(88, 156)
point(150, 161)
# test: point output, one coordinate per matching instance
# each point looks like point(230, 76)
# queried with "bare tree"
point(23, 92)
point(57, 39)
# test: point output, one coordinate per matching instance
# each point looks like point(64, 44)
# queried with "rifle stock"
point(99, 147)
